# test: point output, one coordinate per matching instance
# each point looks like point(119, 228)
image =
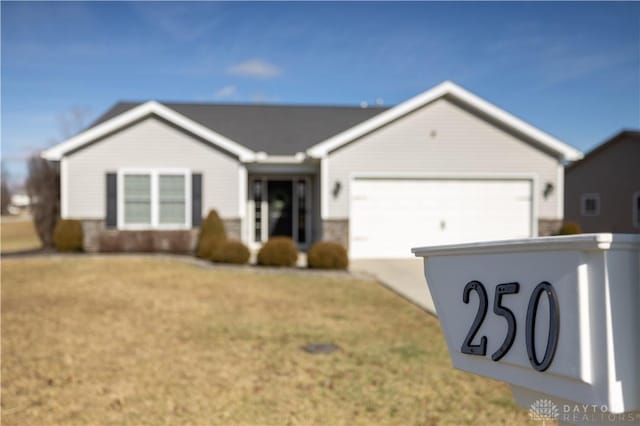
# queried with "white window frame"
point(155, 198)
point(583, 200)
point(635, 214)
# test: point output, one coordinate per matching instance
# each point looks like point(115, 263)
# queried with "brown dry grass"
point(134, 341)
point(16, 235)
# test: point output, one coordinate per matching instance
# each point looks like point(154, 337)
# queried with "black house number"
point(500, 310)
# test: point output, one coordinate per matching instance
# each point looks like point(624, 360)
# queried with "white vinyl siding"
point(441, 139)
point(148, 144)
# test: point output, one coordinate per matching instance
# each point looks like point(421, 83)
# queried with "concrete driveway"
point(404, 276)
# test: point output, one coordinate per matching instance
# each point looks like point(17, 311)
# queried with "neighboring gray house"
point(444, 166)
point(602, 191)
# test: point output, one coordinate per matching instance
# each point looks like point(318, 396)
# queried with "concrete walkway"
point(403, 276)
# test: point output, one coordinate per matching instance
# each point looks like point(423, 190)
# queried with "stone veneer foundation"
point(96, 238)
point(548, 227)
point(336, 230)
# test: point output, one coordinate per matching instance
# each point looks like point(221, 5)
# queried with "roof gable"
point(286, 130)
point(274, 129)
point(459, 94)
point(136, 113)
point(629, 136)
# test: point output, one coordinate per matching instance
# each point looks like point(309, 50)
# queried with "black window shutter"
point(112, 200)
point(196, 199)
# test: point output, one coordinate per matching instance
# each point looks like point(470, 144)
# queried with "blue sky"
point(571, 69)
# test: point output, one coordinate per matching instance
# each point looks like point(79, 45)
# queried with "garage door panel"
point(389, 216)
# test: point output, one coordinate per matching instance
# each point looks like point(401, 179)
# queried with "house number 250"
point(530, 326)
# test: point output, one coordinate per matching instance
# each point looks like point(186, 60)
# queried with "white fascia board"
point(446, 88)
point(204, 132)
point(568, 152)
point(151, 107)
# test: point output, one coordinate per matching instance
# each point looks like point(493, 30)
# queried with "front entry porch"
point(280, 205)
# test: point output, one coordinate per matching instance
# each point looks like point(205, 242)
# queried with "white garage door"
point(390, 216)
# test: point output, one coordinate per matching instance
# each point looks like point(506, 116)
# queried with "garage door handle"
point(443, 224)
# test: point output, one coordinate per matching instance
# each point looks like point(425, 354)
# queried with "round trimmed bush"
point(67, 235)
point(212, 234)
point(569, 228)
point(327, 255)
point(278, 251)
point(231, 251)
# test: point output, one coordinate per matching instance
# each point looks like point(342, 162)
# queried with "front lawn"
point(135, 340)
point(17, 234)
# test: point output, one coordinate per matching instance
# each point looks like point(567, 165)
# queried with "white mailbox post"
point(556, 317)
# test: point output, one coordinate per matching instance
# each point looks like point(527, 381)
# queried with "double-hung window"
point(155, 198)
point(172, 199)
point(137, 199)
point(590, 204)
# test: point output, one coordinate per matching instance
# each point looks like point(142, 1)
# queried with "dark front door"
point(280, 207)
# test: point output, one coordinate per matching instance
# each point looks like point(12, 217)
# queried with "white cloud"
point(181, 21)
point(255, 68)
point(226, 92)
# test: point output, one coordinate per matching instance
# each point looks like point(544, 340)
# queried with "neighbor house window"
point(590, 204)
point(154, 199)
point(636, 209)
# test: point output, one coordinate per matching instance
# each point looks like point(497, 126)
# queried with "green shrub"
point(327, 255)
point(67, 235)
point(278, 251)
point(569, 228)
point(212, 234)
point(231, 251)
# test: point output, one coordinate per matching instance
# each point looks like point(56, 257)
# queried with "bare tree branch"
point(73, 121)
point(43, 187)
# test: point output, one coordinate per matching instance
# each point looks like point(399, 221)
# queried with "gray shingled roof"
point(274, 129)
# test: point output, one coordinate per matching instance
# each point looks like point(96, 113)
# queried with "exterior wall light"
point(337, 186)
